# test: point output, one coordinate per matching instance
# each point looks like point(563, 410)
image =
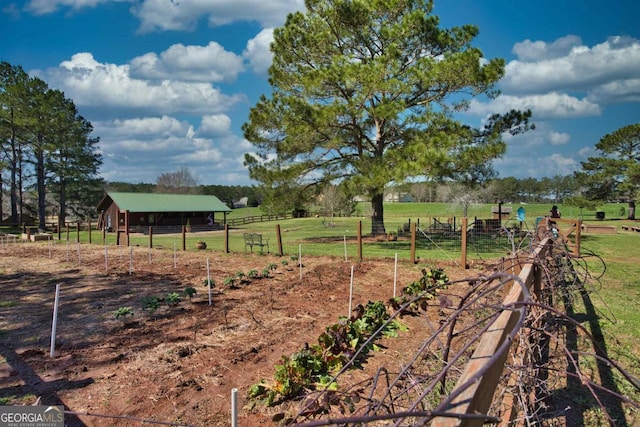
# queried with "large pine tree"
point(364, 93)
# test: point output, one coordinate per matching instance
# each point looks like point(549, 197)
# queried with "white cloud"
point(559, 138)
point(539, 50)
point(43, 7)
point(534, 165)
point(617, 92)
point(111, 89)
point(566, 66)
point(141, 149)
point(184, 15)
point(215, 125)
point(550, 105)
point(258, 51)
point(211, 63)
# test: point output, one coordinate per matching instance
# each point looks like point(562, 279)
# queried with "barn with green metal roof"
point(136, 212)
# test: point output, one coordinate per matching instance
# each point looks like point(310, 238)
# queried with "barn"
point(136, 212)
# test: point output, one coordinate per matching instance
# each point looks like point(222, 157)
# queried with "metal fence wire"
point(483, 236)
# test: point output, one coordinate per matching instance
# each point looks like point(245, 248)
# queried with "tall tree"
point(363, 93)
point(73, 163)
point(616, 172)
point(13, 89)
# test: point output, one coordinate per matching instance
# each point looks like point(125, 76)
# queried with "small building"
point(136, 212)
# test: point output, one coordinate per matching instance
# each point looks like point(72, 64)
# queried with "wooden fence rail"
point(475, 394)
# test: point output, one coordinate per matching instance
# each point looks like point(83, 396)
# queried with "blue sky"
point(168, 84)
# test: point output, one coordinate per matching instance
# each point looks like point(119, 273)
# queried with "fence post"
point(150, 237)
point(463, 242)
point(78, 231)
point(89, 231)
point(226, 238)
point(413, 242)
point(360, 240)
point(184, 238)
point(68, 230)
point(279, 239)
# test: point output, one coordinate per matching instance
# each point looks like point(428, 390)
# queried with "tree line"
point(49, 159)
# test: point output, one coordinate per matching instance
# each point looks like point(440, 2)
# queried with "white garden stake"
point(350, 293)
point(79, 259)
point(395, 275)
point(68, 250)
point(300, 259)
point(52, 350)
point(234, 407)
point(106, 259)
point(174, 255)
point(209, 280)
point(49, 244)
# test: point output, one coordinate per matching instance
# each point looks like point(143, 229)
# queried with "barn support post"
point(360, 240)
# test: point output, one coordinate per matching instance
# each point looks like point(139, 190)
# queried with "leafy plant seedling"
point(173, 299)
point(123, 312)
point(151, 304)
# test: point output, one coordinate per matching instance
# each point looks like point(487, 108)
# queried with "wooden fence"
point(475, 394)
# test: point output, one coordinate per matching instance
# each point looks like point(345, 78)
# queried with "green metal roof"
point(156, 202)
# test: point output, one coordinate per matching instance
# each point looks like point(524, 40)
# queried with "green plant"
point(312, 367)
point(173, 299)
point(201, 244)
point(230, 281)
point(123, 312)
point(151, 304)
point(284, 262)
point(272, 266)
point(209, 283)
point(253, 274)
point(190, 291)
point(266, 273)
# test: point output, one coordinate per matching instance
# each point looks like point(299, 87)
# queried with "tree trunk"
point(377, 216)
point(13, 183)
point(1, 198)
point(39, 153)
point(632, 209)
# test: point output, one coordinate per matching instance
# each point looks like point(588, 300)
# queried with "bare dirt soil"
point(178, 363)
